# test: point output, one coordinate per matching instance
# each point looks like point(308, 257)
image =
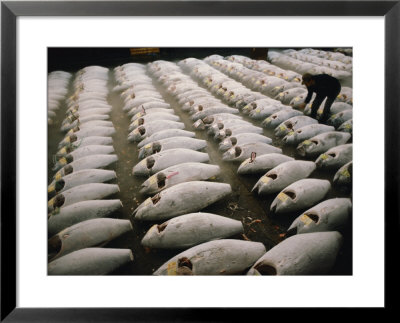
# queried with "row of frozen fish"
point(169, 154)
point(298, 64)
point(57, 89)
point(282, 86)
point(177, 186)
point(338, 55)
point(291, 171)
point(312, 138)
point(79, 220)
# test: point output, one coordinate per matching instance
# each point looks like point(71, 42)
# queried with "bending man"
point(325, 86)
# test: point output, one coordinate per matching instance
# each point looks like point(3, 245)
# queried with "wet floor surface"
point(253, 211)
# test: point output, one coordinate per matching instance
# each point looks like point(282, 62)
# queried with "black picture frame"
point(10, 10)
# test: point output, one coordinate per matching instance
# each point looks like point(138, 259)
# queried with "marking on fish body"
point(265, 180)
point(51, 188)
point(171, 268)
point(345, 173)
point(63, 161)
point(305, 219)
point(282, 197)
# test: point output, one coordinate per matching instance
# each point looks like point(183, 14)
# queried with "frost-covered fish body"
point(152, 117)
point(163, 134)
point(152, 127)
point(85, 124)
point(151, 112)
point(322, 142)
point(90, 261)
point(219, 257)
point(75, 143)
point(148, 106)
point(242, 152)
point(214, 118)
point(303, 254)
point(162, 160)
point(84, 192)
point(134, 103)
point(79, 136)
point(92, 131)
point(278, 117)
point(81, 211)
point(177, 174)
point(191, 229)
point(193, 196)
point(293, 124)
point(335, 157)
point(344, 175)
point(262, 163)
point(329, 215)
point(86, 234)
point(171, 143)
point(242, 139)
point(264, 112)
point(301, 194)
point(91, 112)
point(215, 127)
point(283, 175)
point(85, 176)
point(88, 162)
point(306, 132)
point(237, 129)
point(206, 112)
point(83, 152)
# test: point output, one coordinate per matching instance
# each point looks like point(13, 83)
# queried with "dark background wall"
point(73, 59)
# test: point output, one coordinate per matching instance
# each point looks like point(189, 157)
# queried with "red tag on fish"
point(252, 157)
point(143, 109)
point(173, 174)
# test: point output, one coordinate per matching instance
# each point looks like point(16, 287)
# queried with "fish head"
point(247, 108)
point(289, 138)
point(56, 202)
point(220, 135)
point(147, 206)
point(227, 143)
point(283, 201)
point(138, 134)
point(232, 154)
point(307, 222)
point(199, 124)
point(307, 147)
point(55, 187)
point(63, 151)
point(214, 128)
point(144, 167)
point(154, 235)
point(62, 162)
point(67, 141)
point(267, 121)
point(325, 159)
point(137, 116)
point(281, 130)
point(154, 184)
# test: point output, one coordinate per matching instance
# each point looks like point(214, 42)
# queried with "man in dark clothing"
point(325, 86)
